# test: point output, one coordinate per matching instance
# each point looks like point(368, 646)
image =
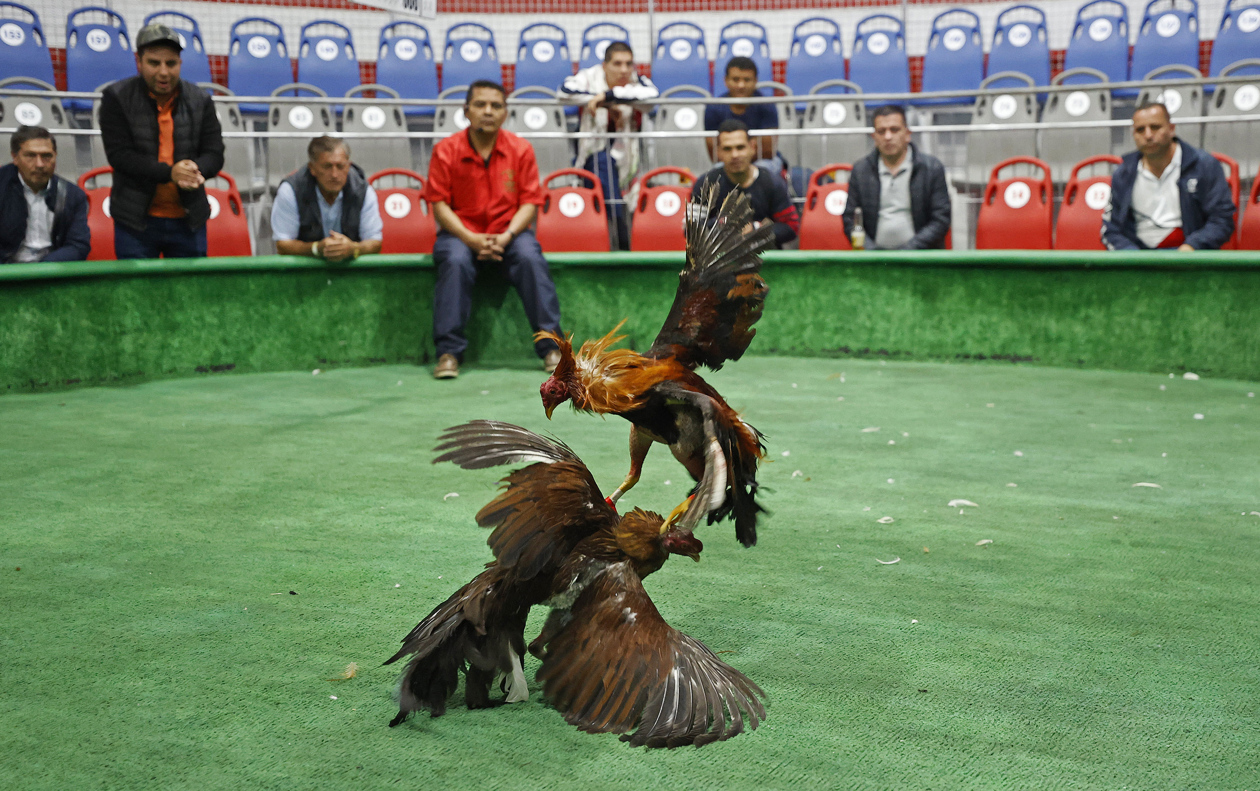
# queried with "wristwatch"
point(315, 250)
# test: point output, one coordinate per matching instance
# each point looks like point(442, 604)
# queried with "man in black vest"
point(326, 209)
point(163, 140)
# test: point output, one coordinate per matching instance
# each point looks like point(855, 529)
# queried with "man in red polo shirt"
point(483, 187)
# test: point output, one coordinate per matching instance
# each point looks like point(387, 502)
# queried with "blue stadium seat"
point(404, 62)
point(196, 63)
point(596, 38)
point(1168, 36)
point(817, 55)
point(879, 62)
point(542, 57)
point(1238, 38)
point(743, 39)
point(326, 57)
point(1100, 40)
point(469, 55)
point(681, 58)
point(97, 51)
point(954, 60)
point(1020, 43)
point(258, 60)
point(23, 46)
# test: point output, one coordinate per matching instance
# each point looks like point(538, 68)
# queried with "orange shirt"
point(484, 195)
point(166, 201)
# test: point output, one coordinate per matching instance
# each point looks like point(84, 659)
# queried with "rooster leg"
point(678, 511)
point(640, 444)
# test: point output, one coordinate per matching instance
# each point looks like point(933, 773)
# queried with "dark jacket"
point(929, 199)
point(310, 221)
point(1207, 208)
point(129, 131)
point(71, 239)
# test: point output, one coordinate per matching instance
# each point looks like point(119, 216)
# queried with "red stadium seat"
point(1235, 191)
point(1016, 212)
point(659, 211)
point(100, 224)
point(409, 225)
point(822, 221)
point(1080, 216)
point(572, 219)
point(1250, 226)
point(227, 232)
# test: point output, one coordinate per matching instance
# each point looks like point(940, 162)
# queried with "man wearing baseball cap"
point(163, 139)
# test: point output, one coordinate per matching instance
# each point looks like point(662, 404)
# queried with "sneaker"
point(447, 367)
point(551, 361)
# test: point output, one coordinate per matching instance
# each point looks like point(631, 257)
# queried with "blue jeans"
point(605, 167)
point(162, 236)
point(457, 272)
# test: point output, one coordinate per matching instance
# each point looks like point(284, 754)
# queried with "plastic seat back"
point(1021, 43)
point(572, 219)
point(311, 119)
point(660, 211)
point(685, 152)
point(404, 62)
point(822, 218)
point(743, 39)
point(1166, 84)
point(843, 109)
point(1249, 228)
point(28, 110)
point(681, 58)
point(196, 62)
point(595, 40)
point(987, 147)
point(954, 60)
point(238, 152)
point(385, 125)
point(258, 60)
point(23, 46)
point(450, 119)
point(1062, 147)
point(469, 55)
point(1236, 139)
point(1015, 213)
point(98, 51)
point(409, 225)
point(227, 230)
point(536, 110)
point(1169, 34)
point(1079, 226)
point(542, 57)
point(817, 55)
point(1232, 177)
point(1237, 39)
point(879, 62)
point(100, 223)
point(326, 57)
point(1100, 40)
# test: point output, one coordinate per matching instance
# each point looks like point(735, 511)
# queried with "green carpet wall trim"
point(67, 325)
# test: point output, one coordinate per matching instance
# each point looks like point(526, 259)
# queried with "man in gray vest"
point(326, 209)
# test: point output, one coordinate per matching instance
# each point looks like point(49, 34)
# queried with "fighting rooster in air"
point(610, 662)
point(720, 296)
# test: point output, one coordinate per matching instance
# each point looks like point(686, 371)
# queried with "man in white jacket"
point(608, 92)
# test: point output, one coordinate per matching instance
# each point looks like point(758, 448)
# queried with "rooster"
point(720, 296)
point(611, 664)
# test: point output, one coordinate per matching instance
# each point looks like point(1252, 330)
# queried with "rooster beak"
point(550, 408)
point(694, 556)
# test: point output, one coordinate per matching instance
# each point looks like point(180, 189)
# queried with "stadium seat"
point(1020, 43)
point(258, 60)
point(879, 62)
point(98, 51)
point(596, 38)
point(238, 152)
point(817, 55)
point(1238, 38)
point(1080, 216)
point(32, 110)
point(843, 109)
point(469, 55)
point(1249, 228)
point(542, 57)
point(385, 125)
point(822, 220)
point(684, 152)
point(449, 119)
point(681, 58)
point(1100, 40)
point(532, 110)
point(1166, 37)
point(743, 39)
point(326, 57)
point(1062, 147)
point(227, 230)
point(657, 222)
point(1182, 99)
point(789, 145)
point(572, 218)
point(409, 225)
point(954, 60)
point(310, 118)
point(404, 62)
point(986, 147)
point(24, 47)
point(1015, 213)
point(195, 66)
point(1236, 139)
point(100, 223)
point(1230, 166)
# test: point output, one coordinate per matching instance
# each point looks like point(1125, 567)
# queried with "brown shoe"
point(551, 361)
point(447, 367)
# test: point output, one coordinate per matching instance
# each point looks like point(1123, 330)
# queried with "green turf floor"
point(1106, 638)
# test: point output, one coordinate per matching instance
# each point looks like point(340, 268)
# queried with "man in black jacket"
point(901, 191)
point(43, 217)
point(163, 139)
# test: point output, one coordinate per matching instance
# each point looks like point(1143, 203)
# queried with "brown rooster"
point(720, 296)
point(610, 662)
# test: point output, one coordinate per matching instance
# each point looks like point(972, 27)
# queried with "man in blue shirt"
point(327, 210)
point(741, 82)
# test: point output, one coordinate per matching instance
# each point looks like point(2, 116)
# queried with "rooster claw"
point(611, 503)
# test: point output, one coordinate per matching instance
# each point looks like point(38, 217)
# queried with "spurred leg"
point(640, 444)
